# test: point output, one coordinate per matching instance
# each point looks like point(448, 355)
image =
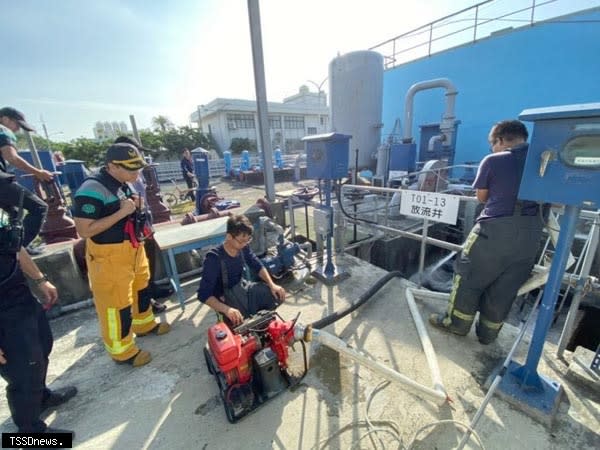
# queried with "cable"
point(442, 422)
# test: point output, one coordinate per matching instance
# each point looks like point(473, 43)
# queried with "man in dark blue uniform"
point(499, 253)
point(25, 335)
point(12, 121)
point(187, 170)
point(223, 286)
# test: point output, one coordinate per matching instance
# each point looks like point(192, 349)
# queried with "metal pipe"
point(307, 247)
point(423, 249)
point(434, 368)
point(329, 340)
point(423, 85)
point(417, 237)
point(394, 190)
point(292, 218)
point(498, 378)
point(377, 236)
point(576, 300)
point(433, 140)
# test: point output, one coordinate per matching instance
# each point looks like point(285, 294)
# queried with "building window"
point(240, 121)
point(294, 145)
point(294, 122)
point(311, 130)
point(322, 120)
point(275, 122)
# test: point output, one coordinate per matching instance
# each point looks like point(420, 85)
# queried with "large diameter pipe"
point(434, 368)
point(421, 86)
point(438, 397)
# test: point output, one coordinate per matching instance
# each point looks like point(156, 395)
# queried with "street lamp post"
point(318, 86)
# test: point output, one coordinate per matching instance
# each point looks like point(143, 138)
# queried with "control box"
point(327, 156)
point(563, 160)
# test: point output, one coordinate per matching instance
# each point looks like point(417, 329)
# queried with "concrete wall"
point(497, 77)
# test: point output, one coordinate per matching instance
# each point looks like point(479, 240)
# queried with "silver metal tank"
point(356, 95)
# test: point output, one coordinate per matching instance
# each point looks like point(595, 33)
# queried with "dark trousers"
point(497, 259)
point(36, 209)
point(250, 297)
point(26, 340)
point(190, 184)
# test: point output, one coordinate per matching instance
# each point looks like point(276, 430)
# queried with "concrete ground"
point(174, 402)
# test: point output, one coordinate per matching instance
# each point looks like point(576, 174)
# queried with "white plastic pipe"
point(437, 396)
point(434, 368)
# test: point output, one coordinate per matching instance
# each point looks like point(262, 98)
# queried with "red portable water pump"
point(250, 361)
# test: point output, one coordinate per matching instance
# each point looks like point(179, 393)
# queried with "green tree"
point(162, 123)
point(167, 143)
point(239, 144)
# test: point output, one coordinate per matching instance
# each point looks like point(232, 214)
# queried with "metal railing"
point(464, 26)
point(171, 170)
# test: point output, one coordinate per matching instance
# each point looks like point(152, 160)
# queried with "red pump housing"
point(281, 336)
point(232, 352)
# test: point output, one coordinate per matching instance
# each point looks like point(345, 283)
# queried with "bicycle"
point(180, 195)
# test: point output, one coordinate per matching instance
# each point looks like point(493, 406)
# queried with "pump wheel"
point(170, 199)
point(208, 361)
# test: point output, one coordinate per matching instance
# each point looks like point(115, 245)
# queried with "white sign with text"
point(430, 205)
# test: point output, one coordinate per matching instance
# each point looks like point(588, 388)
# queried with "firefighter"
point(108, 214)
point(500, 251)
point(25, 334)
point(223, 286)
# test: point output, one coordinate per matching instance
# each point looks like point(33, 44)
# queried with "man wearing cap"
point(153, 290)
point(11, 121)
point(105, 212)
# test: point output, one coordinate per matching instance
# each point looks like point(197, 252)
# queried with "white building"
point(109, 130)
point(299, 115)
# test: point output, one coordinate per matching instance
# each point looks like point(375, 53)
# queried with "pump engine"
point(250, 361)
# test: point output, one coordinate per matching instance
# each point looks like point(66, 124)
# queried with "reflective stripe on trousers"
point(117, 272)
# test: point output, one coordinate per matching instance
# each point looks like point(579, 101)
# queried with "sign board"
point(430, 205)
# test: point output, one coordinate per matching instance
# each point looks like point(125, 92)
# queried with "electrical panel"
point(327, 156)
point(563, 160)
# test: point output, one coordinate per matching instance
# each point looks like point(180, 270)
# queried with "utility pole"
point(134, 129)
point(261, 98)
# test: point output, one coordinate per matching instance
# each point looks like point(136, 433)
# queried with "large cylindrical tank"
point(356, 92)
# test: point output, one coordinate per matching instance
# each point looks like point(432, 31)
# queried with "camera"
point(11, 237)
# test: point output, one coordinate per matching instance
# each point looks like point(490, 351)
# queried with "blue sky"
point(75, 62)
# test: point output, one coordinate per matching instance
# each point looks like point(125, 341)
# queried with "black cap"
point(130, 141)
point(126, 156)
point(16, 115)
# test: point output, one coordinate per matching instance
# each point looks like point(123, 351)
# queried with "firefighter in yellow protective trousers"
point(109, 215)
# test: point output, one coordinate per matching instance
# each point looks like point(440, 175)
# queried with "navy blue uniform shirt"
point(211, 283)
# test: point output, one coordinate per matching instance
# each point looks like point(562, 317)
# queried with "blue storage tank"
point(278, 158)
point(245, 162)
point(201, 169)
point(228, 163)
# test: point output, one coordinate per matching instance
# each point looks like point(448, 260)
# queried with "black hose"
point(338, 194)
point(337, 315)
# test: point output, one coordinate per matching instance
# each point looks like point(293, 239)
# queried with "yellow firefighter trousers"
point(117, 272)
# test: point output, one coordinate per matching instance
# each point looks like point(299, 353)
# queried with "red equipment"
point(250, 362)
